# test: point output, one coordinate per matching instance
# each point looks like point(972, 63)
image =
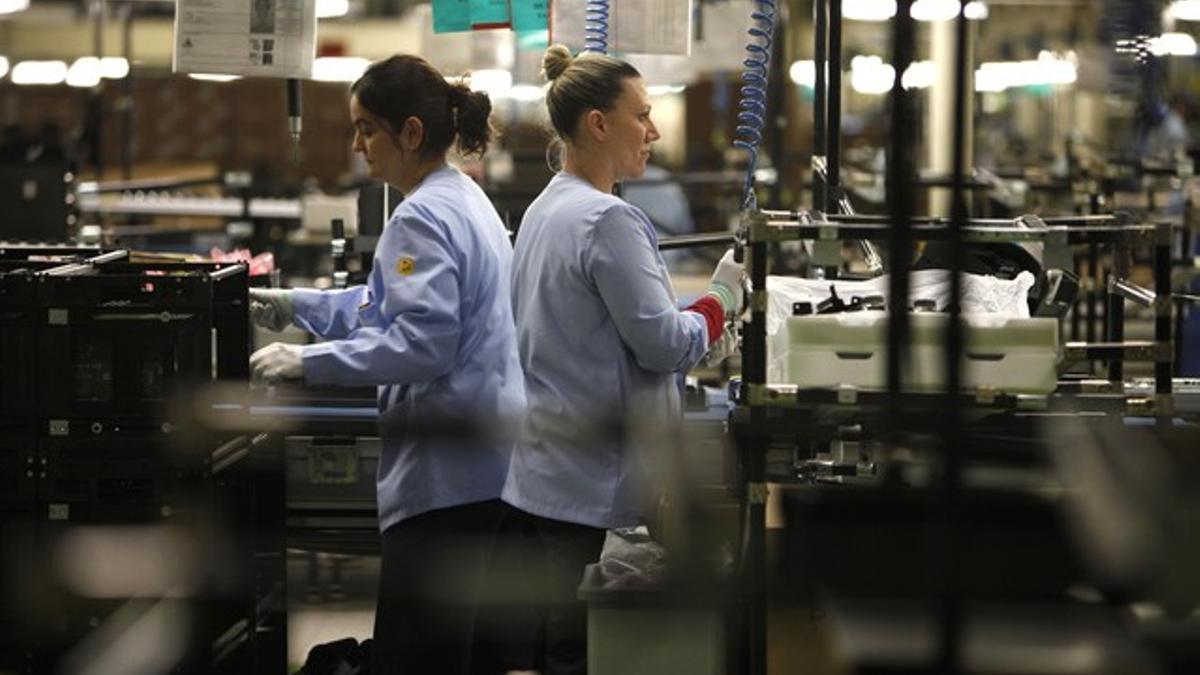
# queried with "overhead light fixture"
point(920, 75)
point(85, 72)
point(214, 77)
point(13, 6)
point(935, 10)
point(3, 66)
point(39, 72)
point(526, 93)
point(868, 10)
point(1047, 69)
point(870, 75)
point(494, 82)
point(664, 89)
point(113, 67)
point(976, 10)
point(804, 73)
point(1185, 10)
point(328, 9)
point(945, 10)
point(1173, 44)
point(339, 68)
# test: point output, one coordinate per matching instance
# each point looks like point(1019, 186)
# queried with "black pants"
point(548, 632)
point(429, 584)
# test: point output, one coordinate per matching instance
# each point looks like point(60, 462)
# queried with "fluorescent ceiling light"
point(526, 93)
point(39, 72)
point(977, 10)
point(113, 67)
point(804, 73)
point(339, 68)
point(3, 66)
point(920, 75)
point(1185, 10)
point(328, 9)
point(1173, 44)
point(935, 10)
point(870, 75)
point(869, 10)
point(85, 72)
point(214, 77)
point(13, 6)
point(1048, 69)
point(495, 82)
point(664, 89)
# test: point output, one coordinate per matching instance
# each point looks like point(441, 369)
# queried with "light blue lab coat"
point(601, 341)
point(433, 329)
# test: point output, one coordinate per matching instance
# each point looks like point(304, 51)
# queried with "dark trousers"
point(429, 585)
point(548, 630)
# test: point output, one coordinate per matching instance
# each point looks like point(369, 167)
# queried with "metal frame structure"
point(761, 407)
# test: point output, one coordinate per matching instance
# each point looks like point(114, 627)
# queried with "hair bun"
point(556, 61)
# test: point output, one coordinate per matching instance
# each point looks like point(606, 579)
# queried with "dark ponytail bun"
point(473, 111)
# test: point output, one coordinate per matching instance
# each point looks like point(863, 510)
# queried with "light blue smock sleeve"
point(331, 315)
point(411, 325)
point(624, 264)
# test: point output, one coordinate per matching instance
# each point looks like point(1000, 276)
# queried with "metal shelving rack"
point(764, 409)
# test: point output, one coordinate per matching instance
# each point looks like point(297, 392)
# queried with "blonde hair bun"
point(556, 61)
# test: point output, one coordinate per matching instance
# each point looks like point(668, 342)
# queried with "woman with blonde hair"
point(601, 340)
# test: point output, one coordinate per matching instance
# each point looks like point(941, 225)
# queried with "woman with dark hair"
point(433, 329)
point(601, 337)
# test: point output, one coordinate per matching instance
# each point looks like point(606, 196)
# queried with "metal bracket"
point(756, 493)
point(60, 427)
point(758, 300)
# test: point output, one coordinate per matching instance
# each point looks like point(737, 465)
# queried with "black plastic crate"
point(107, 480)
point(120, 339)
point(20, 267)
point(20, 469)
point(18, 337)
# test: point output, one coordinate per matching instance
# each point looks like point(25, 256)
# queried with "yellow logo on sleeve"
point(405, 266)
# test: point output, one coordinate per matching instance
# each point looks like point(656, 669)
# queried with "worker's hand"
point(726, 285)
point(277, 361)
point(271, 308)
point(725, 347)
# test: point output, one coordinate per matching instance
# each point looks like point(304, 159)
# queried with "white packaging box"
point(1003, 354)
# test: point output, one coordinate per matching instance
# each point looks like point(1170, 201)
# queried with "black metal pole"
point(753, 441)
point(127, 92)
point(833, 123)
point(1162, 321)
point(1114, 312)
point(776, 105)
point(954, 442)
point(901, 177)
point(820, 87)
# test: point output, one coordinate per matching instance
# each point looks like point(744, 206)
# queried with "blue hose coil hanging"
point(596, 26)
point(752, 112)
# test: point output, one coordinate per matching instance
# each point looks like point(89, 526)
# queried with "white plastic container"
point(1003, 354)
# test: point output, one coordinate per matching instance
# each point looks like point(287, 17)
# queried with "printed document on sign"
point(634, 26)
point(262, 38)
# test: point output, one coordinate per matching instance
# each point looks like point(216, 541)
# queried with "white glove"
point(725, 347)
point(277, 361)
point(726, 285)
point(271, 308)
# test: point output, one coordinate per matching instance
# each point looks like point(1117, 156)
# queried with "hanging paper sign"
point(265, 38)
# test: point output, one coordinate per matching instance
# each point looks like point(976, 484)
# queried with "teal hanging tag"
point(451, 16)
point(533, 40)
point(530, 15)
point(487, 14)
